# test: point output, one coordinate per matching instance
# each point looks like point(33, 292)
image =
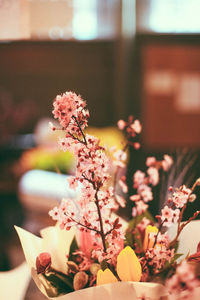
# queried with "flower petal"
point(148, 240)
point(57, 242)
point(128, 265)
point(104, 277)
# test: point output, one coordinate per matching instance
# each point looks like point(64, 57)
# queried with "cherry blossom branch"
point(101, 223)
point(75, 138)
point(173, 243)
point(159, 230)
point(180, 227)
point(79, 126)
point(101, 232)
point(85, 226)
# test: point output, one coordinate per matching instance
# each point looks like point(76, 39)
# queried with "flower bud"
point(80, 280)
point(192, 198)
point(94, 268)
point(43, 262)
point(121, 124)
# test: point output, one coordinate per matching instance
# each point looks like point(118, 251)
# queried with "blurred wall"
point(39, 70)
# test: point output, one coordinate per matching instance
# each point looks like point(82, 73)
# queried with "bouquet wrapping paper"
point(120, 291)
point(57, 242)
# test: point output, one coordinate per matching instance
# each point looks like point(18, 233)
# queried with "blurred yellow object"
point(48, 159)
point(109, 136)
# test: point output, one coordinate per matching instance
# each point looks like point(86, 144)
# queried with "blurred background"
point(139, 57)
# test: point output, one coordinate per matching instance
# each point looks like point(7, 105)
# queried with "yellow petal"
point(148, 240)
point(128, 265)
point(104, 277)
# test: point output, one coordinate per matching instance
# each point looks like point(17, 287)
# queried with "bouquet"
point(91, 251)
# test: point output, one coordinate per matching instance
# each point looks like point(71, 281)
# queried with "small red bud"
point(43, 262)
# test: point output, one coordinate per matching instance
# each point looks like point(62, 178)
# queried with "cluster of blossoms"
point(131, 128)
point(143, 182)
point(91, 212)
point(180, 197)
point(158, 254)
point(101, 256)
point(182, 284)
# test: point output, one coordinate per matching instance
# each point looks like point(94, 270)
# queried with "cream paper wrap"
point(57, 242)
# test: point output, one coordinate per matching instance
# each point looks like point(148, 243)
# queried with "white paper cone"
point(118, 291)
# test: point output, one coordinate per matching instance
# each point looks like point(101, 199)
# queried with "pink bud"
point(43, 262)
point(136, 146)
point(121, 124)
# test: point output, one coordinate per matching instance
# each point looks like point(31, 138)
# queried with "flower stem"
point(101, 223)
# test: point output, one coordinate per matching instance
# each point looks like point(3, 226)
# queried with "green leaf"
point(130, 238)
point(62, 283)
point(73, 248)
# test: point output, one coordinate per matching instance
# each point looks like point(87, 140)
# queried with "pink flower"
point(136, 126)
point(150, 161)
point(167, 162)
point(73, 182)
point(135, 198)
point(69, 109)
point(138, 178)
point(166, 216)
point(153, 176)
point(140, 207)
point(121, 124)
point(136, 146)
point(181, 196)
point(145, 192)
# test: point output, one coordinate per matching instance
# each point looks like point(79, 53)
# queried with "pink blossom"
point(69, 106)
point(121, 124)
point(176, 214)
point(145, 193)
point(136, 146)
point(140, 207)
point(153, 175)
point(181, 196)
point(136, 126)
point(138, 178)
point(73, 182)
point(135, 198)
point(120, 157)
point(167, 162)
point(150, 161)
point(181, 286)
point(166, 216)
